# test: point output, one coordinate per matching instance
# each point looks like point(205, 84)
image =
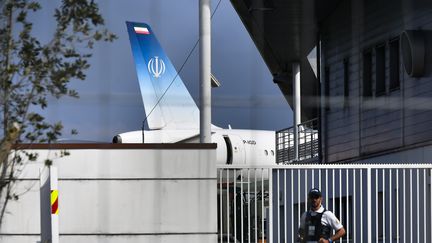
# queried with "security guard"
point(317, 224)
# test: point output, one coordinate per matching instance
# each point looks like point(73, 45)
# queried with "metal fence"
point(374, 202)
point(307, 142)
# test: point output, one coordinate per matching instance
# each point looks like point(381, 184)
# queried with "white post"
point(270, 216)
point(49, 205)
point(220, 202)
point(292, 206)
point(369, 205)
point(297, 107)
point(45, 204)
point(278, 205)
point(54, 205)
point(205, 70)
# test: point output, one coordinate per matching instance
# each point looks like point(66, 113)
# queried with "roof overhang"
point(285, 32)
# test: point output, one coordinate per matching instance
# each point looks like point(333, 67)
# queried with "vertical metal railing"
point(285, 146)
point(374, 202)
point(244, 202)
point(308, 146)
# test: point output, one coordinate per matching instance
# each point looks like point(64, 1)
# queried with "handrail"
point(308, 143)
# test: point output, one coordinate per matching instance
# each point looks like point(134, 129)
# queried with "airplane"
point(172, 115)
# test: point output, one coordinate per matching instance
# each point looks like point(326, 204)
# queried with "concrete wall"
point(359, 126)
point(122, 195)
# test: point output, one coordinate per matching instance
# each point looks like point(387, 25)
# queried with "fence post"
point(270, 221)
point(369, 204)
point(49, 205)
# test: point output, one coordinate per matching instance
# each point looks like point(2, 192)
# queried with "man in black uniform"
point(317, 224)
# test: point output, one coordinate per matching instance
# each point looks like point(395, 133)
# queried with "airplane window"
point(266, 152)
point(272, 152)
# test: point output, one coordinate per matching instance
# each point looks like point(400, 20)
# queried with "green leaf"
point(48, 162)
point(74, 132)
point(34, 6)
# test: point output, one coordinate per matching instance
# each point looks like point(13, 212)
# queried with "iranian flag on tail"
point(141, 30)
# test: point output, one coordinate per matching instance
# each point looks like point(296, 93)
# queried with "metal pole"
point(327, 188)
point(256, 205)
point(320, 72)
point(418, 204)
point(262, 205)
point(221, 202)
point(340, 197)
point(354, 197)
point(424, 205)
point(306, 189)
point(369, 205)
point(411, 205)
point(397, 206)
point(404, 206)
point(333, 192)
point(228, 202)
point(205, 70)
point(376, 206)
point(347, 205)
point(271, 196)
point(278, 207)
point(292, 205)
point(383, 204)
point(241, 207)
point(235, 203)
point(297, 113)
point(390, 207)
point(286, 206)
point(249, 206)
point(298, 194)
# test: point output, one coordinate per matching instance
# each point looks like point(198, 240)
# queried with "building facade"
point(371, 93)
point(373, 103)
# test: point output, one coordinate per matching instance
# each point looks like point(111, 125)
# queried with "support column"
point(205, 70)
point(297, 107)
point(49, 204)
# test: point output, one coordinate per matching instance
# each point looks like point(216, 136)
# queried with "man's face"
point(315, 202)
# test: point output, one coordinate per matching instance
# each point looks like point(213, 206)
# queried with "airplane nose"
point(117, 139)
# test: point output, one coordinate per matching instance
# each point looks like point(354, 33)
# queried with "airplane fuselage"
point(234, 146)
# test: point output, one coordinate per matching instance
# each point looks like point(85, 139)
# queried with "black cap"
point(314, 193)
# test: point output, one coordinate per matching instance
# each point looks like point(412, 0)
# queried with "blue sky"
point(110, 100)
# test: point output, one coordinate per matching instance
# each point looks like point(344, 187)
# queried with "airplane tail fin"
point(167, 102)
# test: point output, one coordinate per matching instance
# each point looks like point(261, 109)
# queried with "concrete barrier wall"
point(122, 195)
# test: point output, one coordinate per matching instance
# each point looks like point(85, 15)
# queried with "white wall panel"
point(134, 163)
point(119, 195)
point(137, 206)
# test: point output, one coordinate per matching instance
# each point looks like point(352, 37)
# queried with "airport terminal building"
point(371, 86)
